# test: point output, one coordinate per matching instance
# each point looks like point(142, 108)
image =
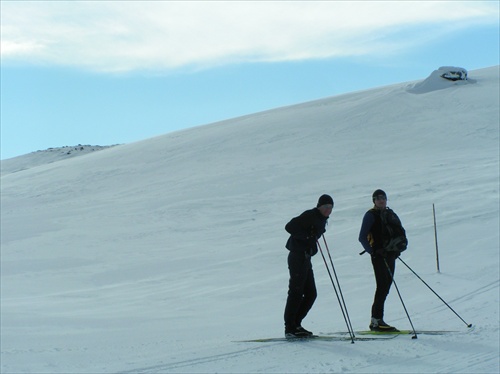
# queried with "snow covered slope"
point(156, 256)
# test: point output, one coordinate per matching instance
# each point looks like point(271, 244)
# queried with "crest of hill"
point(287, 153)
point(349, 120)
point(50, 155)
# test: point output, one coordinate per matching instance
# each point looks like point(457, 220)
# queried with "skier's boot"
point(295, 333)
point(301, 329)
point(378, 324)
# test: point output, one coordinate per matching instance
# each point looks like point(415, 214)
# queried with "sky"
point(113, 72)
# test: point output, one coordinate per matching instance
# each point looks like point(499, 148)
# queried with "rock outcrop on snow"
point(442, 78)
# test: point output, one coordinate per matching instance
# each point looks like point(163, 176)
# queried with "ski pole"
point(351, 333)
point(400, 298)
point(338, 283)
point(440, 298)
point(436, 237)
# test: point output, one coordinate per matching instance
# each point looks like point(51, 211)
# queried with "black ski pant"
point(301, 289)
point(383, 279)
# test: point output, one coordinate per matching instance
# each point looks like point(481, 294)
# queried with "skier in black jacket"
point(304, 232)
point(384, 263)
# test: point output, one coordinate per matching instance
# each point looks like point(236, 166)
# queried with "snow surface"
point(156, 256)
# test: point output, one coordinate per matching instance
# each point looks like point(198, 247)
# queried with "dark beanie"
point(324, 199)
point(378, 193)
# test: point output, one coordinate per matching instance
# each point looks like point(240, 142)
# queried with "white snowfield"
point(156, 256)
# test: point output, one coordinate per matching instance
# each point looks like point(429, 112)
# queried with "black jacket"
point(371, 234)
point(305, 230)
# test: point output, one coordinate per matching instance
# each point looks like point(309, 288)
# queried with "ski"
point(315, 337)
point(366, 335)
point(401, 332)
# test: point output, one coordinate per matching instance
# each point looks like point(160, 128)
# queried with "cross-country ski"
point(329, 338)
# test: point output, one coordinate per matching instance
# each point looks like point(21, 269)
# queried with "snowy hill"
point(155, 256)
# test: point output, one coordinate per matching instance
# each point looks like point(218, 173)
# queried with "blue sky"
point(115, 72)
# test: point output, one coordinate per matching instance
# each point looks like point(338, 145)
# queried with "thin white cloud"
point(158, 35)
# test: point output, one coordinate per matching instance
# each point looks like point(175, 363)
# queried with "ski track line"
point(197, 361)
point(468, 296)
point(480, 290)
point(203, 360)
